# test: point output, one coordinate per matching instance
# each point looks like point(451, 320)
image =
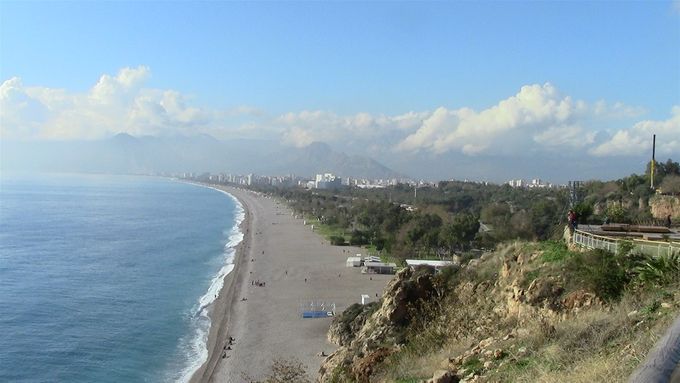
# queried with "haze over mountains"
point(124, 153)
point(127, 154)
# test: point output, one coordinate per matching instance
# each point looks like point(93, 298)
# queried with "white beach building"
point(413, 263)
point(353, 262)
point(379, 268)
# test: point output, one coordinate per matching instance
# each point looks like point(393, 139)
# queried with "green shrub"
point(651, 308)
point(337, 240)
point(659, 270)
point(473, 365)
point(529, 277)
point(603, 273)
point(358, 238)
point(554, 251)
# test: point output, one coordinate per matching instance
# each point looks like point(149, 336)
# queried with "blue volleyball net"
point(317, 309)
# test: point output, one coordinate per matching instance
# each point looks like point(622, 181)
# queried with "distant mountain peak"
point(123, 136)
point(319, 157)
point(124, 139)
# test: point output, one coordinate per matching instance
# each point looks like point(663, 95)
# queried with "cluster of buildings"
point(534, 183)
point(332, 181)
point(320, 181)
point(240, 179)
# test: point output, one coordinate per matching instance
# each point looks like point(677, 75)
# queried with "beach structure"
point(379, 268)
point(317, 309)
point(437, 265)
point(371, 258)
point(365, 299)
point(353, 262)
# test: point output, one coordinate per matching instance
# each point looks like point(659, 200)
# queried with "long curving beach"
point(296, 266)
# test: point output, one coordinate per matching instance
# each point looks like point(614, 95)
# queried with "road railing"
point(613, 245)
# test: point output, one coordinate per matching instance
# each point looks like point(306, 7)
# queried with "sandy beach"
point(296, 266)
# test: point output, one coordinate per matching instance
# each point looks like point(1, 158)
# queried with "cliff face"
point(368, 334)
point(503, 314)
point(661, 206)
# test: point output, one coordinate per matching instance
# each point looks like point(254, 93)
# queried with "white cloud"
point(532, 116)
point(536, 119)
point(119, 103)
point(301, 129)
point(638, 139)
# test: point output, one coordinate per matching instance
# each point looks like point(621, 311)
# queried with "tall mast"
point(653, 161)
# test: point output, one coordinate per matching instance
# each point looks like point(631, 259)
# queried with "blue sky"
point(252, 69)
point(353, 57)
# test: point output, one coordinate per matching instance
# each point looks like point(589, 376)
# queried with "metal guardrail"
point(651, 248)
point(592, 241)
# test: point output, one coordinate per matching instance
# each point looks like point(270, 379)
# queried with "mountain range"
point(124, 153)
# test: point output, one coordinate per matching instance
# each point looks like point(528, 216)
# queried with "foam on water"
point(195, 346)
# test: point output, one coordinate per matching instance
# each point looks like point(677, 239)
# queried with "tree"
point(425, 230)
point(617, 214)
point(542, 218)
point(670, 184)
point(459, 232)
point(583, 211)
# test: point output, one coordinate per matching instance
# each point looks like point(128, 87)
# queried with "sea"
point(109, 278)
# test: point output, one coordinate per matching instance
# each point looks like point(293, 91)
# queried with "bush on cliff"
point(337, 240)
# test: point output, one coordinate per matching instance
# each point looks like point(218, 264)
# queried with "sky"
point(426, 81)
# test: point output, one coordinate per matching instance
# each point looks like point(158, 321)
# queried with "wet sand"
point(281, 252)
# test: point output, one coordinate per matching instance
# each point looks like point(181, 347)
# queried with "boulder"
point(444, 376)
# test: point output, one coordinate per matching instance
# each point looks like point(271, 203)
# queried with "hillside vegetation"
point(528, 312)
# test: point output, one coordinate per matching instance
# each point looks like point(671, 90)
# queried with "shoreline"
point(220, 310)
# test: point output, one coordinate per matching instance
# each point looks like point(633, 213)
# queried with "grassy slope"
point(604, 342)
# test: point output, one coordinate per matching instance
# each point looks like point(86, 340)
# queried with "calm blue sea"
point(106, 278)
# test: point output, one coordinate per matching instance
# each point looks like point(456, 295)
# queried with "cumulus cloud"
point(120, 103)
point(638, 139)
point(537, 118)
point(535, 115)
point(301, 129)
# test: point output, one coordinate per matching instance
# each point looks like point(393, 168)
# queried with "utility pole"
point(651, 168)
point(575, 193)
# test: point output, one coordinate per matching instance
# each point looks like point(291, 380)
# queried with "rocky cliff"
point(368, 334)
point(521, 313)
point(662, 205)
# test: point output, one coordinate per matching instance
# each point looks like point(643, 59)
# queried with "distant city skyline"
point(433, 90)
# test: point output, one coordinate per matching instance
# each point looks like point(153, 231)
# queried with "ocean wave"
point(197, 344)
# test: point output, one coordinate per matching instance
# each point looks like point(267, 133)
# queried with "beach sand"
point(282, 252)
